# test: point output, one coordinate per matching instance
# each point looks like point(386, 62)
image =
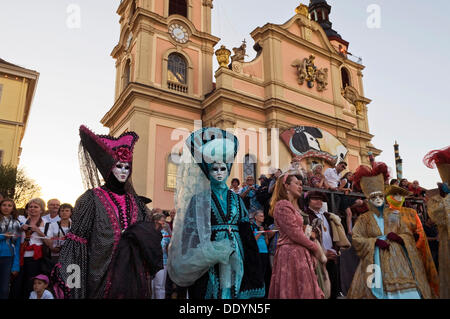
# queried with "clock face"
point(178, 33)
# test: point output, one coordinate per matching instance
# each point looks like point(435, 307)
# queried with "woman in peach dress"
point(293, 275)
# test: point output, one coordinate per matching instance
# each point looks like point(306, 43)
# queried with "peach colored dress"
point(293, 275)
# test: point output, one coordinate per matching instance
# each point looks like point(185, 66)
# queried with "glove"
point(416, 237)
point(394, 237)
point(382, 244)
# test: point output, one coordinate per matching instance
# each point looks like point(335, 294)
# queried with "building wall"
point(12, 106)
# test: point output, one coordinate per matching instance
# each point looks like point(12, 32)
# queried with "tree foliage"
point(15, 184)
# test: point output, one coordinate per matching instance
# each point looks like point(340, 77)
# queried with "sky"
point(405, 53)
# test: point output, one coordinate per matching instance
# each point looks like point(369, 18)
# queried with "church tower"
point(163, 72)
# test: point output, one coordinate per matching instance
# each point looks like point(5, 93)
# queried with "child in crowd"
point(40, 288)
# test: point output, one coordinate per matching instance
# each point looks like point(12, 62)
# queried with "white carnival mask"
point(398, 197)
point(219, 172)
point(377, 199)
point(121, 171)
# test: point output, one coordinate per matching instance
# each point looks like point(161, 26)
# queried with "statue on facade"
point(239, 53)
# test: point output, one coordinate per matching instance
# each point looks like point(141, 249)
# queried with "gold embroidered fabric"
point(439, 211)
point(412, 221)
point(398, 273)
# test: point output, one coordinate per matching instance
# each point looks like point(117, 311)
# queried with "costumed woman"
point(117, 252)
point(439, 210)
point(395, 197)
point(297, 256)
point(385, 245)
point(212, 250)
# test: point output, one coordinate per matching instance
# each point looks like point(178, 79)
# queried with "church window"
point(171, 171)
point(249, 166)
point(345, 75)
point(1, 157)
point(126, 74)
point(178, 7)
point(177, 73)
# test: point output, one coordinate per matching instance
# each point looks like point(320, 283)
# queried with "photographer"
point(248, 194)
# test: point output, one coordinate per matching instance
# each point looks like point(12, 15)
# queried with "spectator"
point(330, 231)
point(171, 218)
point(348, 201)
point(159, 282)
point(9, 245)
point(262, 239)
point(53, 208)
point(404, 183)
point(293, 275)
point(22, 218)
point(273, 180)
point(235, 182)
point(394, 181)
point(317, 179)
point(248, 194)
point(417, 191)
point(431, 231)
point(40, 285)
point(332, 178)
point(333, 182)
point(263, 197)
point(30, 250)
point(58, 231)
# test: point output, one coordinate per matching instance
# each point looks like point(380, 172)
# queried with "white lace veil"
point(191, 251)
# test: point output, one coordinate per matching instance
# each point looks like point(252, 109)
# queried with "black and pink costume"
point(116, 250)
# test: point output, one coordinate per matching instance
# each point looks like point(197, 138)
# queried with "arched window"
point(178, 7)
point(345, 75)
point(177, 73)
point(126, 74)
point(249, 166)
point(173, 161)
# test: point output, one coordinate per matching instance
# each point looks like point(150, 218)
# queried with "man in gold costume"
point(385, 246)
point(439, 211)
point(395, 197)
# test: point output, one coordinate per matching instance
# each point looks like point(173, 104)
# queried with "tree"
point(15, 184)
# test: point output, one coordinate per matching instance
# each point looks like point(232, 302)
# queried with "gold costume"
point(395, 268)
point(439, 211)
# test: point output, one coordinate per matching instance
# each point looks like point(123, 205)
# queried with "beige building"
point(301, 80)
point(17, 88)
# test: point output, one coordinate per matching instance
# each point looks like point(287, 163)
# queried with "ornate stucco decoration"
point(302, 10)
point(352, 96)
point(239, 53)
point(208, 3)
point(307, 71)
point(223, 56)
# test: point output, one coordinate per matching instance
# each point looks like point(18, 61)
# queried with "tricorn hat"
point(316, 195)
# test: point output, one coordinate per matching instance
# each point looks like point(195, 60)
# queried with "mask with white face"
point(219, 172)
point(377, 199)
point(121, 171)
point(398, 197)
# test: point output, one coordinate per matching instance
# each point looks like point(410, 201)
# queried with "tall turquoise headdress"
point(212, 145)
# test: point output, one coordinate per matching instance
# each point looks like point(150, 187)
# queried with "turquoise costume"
point(214, 254)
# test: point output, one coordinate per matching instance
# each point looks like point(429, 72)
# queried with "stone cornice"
point(277, 31)
point(138, 90)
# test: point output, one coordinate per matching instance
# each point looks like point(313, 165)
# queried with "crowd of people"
point(275, 238)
